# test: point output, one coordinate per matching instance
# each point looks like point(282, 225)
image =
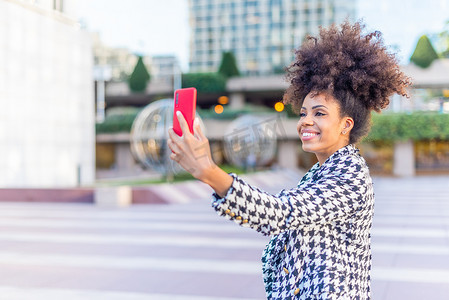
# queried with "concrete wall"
point(47, 132)
point(288, 152)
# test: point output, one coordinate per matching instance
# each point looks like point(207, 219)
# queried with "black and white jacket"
point(320, 230)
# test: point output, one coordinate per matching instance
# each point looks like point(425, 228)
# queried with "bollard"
point(118, 196)
point(404, 159)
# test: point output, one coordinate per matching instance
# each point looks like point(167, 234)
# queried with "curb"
point(55, 195)
point(271, 181)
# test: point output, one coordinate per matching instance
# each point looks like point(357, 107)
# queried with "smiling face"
point(321, 128)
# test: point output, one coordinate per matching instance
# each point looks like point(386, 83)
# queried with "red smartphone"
point(185, 102)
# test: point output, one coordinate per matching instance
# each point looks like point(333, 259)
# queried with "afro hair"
point(356, 69)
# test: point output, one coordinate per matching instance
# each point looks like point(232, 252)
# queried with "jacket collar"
point(344, 151)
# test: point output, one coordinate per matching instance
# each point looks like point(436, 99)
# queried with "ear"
point(348, 124)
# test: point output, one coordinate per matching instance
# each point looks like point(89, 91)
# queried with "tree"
point(424, 53)
point(228, 66)
point(139, 78)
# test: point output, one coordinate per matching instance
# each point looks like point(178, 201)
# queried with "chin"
point(307, 148)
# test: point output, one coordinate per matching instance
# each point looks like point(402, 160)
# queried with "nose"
point(303, 122)
point(306, 120)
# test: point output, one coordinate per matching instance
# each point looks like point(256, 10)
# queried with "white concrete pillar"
point(287, 154)
point(404, 159)
point(236, 100)
point(116, 196)
point(101, 104)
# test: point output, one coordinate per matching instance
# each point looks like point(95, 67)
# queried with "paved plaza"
point(187, 252)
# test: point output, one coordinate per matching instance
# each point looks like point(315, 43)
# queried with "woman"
point(320, 230)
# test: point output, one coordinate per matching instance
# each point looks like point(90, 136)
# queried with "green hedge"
point(117, 123)
point(386, 126)
point(205, 82)
point(415, 126)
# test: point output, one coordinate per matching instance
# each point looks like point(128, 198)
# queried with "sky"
point(154, 27)
point(403, 22)
point(149, 27)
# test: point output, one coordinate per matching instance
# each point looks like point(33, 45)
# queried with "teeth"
point(308, 134)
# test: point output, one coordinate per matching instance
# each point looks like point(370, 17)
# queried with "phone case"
point(185, 102)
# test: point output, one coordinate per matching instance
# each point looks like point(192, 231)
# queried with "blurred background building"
point(54, 71)
point(261, 34)
point(120, 61)
point(163, 67)
point(46, 94)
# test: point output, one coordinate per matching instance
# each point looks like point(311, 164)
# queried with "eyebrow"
point(314, 107)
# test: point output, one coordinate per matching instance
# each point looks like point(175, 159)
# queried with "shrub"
point(116, 122)
point(205, 82)
point(415, 126)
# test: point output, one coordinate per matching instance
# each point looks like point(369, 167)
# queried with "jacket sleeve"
point(336, 193)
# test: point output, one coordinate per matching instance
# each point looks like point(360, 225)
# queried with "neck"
point(322, 157)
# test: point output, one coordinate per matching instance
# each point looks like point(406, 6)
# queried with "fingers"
point(182, 123)
point(173, 143)
point(198, 133)
point(177, 152)
point(187, 145)
point(173, 146)
point(173, 136)
point(175, 157)
point(196, 129)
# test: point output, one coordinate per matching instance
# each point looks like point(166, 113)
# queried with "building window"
point(250, 3)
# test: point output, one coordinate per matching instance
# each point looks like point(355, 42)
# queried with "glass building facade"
point(262, 34)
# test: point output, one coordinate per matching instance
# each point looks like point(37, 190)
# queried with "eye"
point(301, 115)
point(320, 114)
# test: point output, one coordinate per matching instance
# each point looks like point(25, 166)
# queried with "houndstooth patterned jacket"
point(320, 230)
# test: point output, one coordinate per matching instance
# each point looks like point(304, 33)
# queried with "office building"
point(261, 33)
point(164, 67)
point(120, 61)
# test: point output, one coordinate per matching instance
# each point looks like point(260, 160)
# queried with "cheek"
point(330, 131)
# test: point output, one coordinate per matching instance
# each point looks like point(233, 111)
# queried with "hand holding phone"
point(192, 153)
point(184, 102)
